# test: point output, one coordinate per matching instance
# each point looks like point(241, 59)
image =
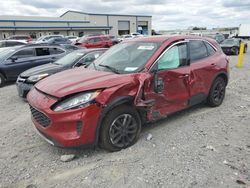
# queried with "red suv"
point(95, 42)
point(137, 81)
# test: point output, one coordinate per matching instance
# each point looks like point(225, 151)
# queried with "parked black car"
point(232, 46)
point(77, 58)
point(15, 60)
point(219, 37)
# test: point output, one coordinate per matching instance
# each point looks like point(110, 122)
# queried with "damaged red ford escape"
point(134, 82)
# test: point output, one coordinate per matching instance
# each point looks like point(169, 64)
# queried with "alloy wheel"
point(123, 130)
point(219, 92)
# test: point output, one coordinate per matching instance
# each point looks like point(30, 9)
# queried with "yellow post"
point(240, 59)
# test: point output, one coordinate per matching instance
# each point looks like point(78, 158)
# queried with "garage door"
point(123, 25)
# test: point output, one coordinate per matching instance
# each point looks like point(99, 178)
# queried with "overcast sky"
point(167, 14)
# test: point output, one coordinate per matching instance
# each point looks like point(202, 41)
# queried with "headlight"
point(36, 78)
point(76, 101)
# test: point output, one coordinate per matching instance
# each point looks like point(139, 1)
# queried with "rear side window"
point(42, 51)
point(55, 51)
point(198, 50)
point(25, 53)
point(210, 49)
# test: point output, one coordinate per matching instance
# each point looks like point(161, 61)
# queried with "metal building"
point(75, 23)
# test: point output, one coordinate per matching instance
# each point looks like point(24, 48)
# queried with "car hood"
point(79, 80)
point(47, 68)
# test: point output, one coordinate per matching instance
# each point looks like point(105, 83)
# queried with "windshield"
point(126, 57)
point(4, 54)
point(229, 41)
point(40, 38)
point(70, 58)
point(83, 39)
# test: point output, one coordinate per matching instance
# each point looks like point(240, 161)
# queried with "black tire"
point(106, 46)
point(217, 92)
point(245, 49)
point(2, 80)
point(116, 135)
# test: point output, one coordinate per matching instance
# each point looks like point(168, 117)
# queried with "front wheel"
point(217, 92)
point(236, 52)
point(120, 129)
point(2, 80)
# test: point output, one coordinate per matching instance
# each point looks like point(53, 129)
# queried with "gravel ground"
point(199, 147)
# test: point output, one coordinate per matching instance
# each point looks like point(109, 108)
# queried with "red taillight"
point(29, 40)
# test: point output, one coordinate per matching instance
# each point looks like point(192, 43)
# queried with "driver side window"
point(174, 57)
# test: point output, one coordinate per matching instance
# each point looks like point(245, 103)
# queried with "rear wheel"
point(245, 49)
point(2, 80)
point(120, 129)
point(217, 92)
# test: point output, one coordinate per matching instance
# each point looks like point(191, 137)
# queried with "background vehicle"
point(137, 35)
point(114, 40)
point(73, 39)
point(18, 59)
point(218, 37)
point(58, 41)
point(44, 39)
point(244, 31)
point(232, 46)
point(10, 43)
point(95, 42)
point(77, 58)
point(22, 38)
point(134, 82)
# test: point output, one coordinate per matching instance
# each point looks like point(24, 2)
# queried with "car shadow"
point(81, 152)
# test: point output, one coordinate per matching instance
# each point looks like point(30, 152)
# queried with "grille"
point(40, 118)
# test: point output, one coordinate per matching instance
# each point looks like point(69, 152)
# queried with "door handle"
point(213, 64)
point(184, 76)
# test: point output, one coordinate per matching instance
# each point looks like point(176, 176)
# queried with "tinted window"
point(91, 40)
point(42, 51)
point(13, 43)
point(198, 50)
point(24, 53)
point(174, 57)
point(55, 51)
point(97, 39)
point(210, 49)
point(2, 44)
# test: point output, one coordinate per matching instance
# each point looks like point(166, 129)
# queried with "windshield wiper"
point(110, 68)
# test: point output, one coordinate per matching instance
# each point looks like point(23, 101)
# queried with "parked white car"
point(72, 38)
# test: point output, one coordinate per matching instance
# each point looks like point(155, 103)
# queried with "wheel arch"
point(111, 105)
point(2, 73)
point(223, 75)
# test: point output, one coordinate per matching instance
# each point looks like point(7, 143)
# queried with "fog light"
point(79, 126)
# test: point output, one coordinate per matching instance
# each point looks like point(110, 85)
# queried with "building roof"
point(98, 14)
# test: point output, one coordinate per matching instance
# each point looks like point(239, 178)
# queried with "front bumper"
point(23, 88)
point(69, 128)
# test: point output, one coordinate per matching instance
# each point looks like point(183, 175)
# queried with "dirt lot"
point(199, 147)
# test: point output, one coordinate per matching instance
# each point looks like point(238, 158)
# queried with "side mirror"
point(13, 59)
point(158, 81)
point(79, 64)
